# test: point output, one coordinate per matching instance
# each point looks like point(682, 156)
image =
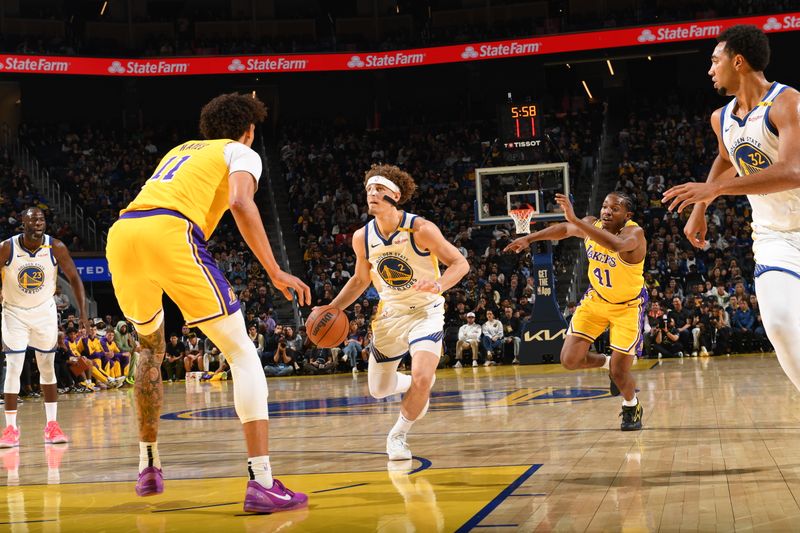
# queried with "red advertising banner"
point(533, 46)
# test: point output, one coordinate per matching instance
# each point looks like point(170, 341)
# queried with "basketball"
point(327, 326)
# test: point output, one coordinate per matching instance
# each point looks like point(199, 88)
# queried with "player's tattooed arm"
point(149, 391)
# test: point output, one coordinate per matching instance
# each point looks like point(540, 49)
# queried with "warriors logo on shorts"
point(396, 272)
point(31, 279)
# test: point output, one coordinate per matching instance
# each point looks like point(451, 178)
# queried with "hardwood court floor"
point(502, 449)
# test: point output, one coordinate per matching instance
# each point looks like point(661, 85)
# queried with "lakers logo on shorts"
point(31, 279)
point(396, 272)
point(750, 159)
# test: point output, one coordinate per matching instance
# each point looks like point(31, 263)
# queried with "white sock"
point(607, 364)
point(50, 410)
point(403, 425)
point(403, 383)
point(148, 455)
point(11, 419)
point(260, 470)
point(630, 403)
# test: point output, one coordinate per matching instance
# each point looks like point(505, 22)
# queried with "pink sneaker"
point(10, 437)
point(53, 434)
point(277, 498)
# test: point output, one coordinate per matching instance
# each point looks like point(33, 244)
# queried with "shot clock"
point(520, 124)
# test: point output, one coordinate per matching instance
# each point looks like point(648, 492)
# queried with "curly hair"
point(228, 116)
point(399, 177)
point(748, 41)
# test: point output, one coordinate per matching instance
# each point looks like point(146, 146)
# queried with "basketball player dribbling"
point(29, 263)
point(159, 245)
point(759, 139)
point(617, 299)
point(399, 253)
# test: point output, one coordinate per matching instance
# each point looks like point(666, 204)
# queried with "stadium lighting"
point(568, 65)
point(586, 88)
point(103, 9)
point(610, 68)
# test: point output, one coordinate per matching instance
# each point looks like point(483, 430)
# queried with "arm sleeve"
point(241, 158)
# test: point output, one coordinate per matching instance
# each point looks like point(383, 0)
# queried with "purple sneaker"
point(151, 481)
point(278, 498)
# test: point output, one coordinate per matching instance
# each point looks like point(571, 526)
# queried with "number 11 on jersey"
point(598, 273)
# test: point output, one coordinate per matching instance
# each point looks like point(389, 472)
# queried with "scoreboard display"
point(520, 125)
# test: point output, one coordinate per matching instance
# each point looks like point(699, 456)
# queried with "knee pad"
point(14, 364)
point(250, 390)
point(47, 371)
point(382, 377)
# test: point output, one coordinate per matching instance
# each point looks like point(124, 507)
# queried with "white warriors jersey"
point(396, 264)
point(752, 145)
point(29, 277)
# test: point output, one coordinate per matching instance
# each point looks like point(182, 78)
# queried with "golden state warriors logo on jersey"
point(30, 278)
point(396, 271)
point(750, 159)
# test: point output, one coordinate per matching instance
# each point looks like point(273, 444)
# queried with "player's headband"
point(380, 180)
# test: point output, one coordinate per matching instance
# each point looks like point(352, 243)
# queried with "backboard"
point(500, 189)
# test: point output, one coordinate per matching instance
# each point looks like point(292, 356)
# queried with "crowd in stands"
point(183, 40)
point(701, 301)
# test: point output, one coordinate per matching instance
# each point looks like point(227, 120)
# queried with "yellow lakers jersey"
point(614, 280)
point(191, 179)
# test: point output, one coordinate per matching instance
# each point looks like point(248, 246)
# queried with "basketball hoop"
point(522, 218)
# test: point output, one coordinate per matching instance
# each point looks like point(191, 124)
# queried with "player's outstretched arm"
point(556, 232)
point(360, 279)
point(67, 266)
point(628, 240)
point(241, 189)
point(428, 236)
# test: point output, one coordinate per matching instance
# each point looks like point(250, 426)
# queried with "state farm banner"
point(242, 64)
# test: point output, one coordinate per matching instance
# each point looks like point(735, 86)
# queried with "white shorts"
point(776, 250)
point(35, 327)
point(395, 330)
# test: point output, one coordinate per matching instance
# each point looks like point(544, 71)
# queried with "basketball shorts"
point(775, 250)
point(35, 327)
point(396, 329)
point(160, 251)
point(625, 321)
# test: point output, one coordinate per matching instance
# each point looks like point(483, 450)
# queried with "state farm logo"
point(772, 24)
point(236, 65)
point(469, 53)
point(116, 68)
point(355, 62)
point(646, 36)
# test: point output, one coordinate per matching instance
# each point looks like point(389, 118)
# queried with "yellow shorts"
point(625, 321)
point(159, 250)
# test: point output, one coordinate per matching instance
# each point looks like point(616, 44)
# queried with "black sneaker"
point(612, 387)
point(631, 417)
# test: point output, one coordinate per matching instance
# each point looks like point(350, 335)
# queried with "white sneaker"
point(515, 361)
point(457, 365)
point(489, 362)
point(703, 351)
point(355, 370)
point(694, 353)
point(397, 447)
point(474, 362)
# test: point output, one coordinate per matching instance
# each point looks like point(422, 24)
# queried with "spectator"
point(115, 364)
point(683, 322)
point(62, 302)
point(320, 361)
point(492, 338)
point(742, 324)
point(666, 340)
point(294, 346)
point(511, 332)
point(257, 339)
point(469, 336)
point(213, 360)
point(193, 357)
point(353, 346)
point(281, 364)
point(173, 362)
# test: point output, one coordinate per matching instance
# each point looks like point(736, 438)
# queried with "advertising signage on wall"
point(260, 64)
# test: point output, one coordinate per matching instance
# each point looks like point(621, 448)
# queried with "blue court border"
point(473, 522)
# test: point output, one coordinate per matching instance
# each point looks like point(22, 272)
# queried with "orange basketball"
point(327, 326)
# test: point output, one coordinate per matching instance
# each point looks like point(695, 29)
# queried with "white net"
point(522, 219)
